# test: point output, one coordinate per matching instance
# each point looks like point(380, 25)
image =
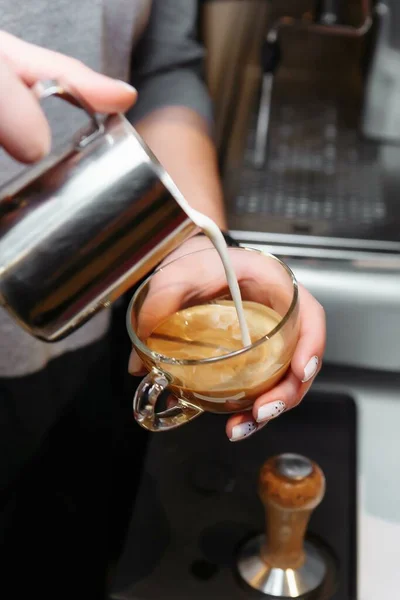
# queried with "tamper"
point(282, 563)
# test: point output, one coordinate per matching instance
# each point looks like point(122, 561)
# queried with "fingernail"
point(270, 411)
point(127, 86)
point(243, 430)
point(310, 369)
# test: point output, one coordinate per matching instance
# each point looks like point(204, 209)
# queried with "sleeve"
point(167, 63)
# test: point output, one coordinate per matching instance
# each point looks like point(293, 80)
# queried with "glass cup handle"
point(145, 400)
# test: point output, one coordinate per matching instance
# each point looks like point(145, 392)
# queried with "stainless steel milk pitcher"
point(83, 226)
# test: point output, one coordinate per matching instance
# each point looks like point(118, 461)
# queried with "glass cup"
point(229, 377)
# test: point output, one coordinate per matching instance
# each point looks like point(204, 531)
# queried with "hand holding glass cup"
point(184, 327)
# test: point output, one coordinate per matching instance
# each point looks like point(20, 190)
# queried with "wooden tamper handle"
point(290, 487)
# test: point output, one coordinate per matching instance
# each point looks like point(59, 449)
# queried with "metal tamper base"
point(294, 486)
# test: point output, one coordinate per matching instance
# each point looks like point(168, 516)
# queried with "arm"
point(173, 113)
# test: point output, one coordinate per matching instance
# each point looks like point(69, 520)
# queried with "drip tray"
point(320, 177)
point(198, 501)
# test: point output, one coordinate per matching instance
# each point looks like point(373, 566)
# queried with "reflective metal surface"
point(280, 583)
point(293, 466)
point(82, 227)
point(321, 177)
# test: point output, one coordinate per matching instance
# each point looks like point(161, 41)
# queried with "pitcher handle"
point(145, 400)
point(52, 87)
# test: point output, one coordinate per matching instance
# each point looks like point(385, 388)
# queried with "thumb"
point(135, 365)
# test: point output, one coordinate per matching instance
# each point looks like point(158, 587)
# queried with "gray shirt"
point(165, 68)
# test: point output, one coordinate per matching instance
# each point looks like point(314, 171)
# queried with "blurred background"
point(307, 101)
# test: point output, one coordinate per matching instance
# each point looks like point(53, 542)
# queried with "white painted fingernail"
point(270, 410)
point(310, 369)
point(127, 86)
point(243, 430)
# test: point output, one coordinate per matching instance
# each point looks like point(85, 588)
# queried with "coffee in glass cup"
point(184, 327)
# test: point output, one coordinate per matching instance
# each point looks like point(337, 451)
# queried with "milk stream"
point(213, 232)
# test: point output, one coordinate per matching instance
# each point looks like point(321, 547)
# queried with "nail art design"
point(270, 411)
point(310, 369)
point(243, 430)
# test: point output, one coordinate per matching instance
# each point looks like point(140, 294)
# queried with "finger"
point(242, 426)
point(24, 131)
point(33, 63)
point(135, 365)
point(311, 345)
point(286, 395)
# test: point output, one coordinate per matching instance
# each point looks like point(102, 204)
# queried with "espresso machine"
point(308, 125)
